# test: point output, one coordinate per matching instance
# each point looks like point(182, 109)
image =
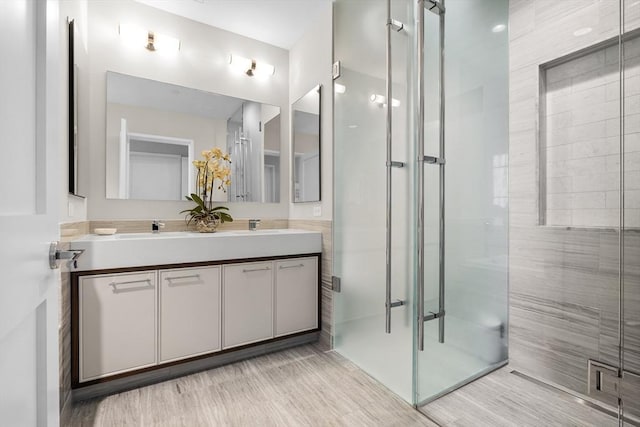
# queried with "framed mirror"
point(305, 116)
point(72, 110)
point(155, 130)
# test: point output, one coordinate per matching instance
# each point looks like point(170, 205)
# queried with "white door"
point(29, 188)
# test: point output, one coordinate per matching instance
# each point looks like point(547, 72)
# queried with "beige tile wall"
point(67, 232)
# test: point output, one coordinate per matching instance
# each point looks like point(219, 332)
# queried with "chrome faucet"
point(156, 226)
point(253, 224)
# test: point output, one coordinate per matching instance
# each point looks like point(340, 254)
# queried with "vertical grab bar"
point(436, 6)
point(389, 304)
point(442, 164)
point(420, 176)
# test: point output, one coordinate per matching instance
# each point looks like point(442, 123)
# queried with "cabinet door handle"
point(192, 276)
point(249, 270)
point(114, 285)
point(284, 267)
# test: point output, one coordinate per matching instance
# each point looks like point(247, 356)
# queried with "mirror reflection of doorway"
point(155, 167)
point(308, 173)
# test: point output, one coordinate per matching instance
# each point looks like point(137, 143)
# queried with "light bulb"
point(133, 36)
point(239, 63)
point(377, 99)
point(499, 28)
point(263, 69)
point(380, 99)
point(166, 43)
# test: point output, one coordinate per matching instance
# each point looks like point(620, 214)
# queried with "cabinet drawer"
point(117, 323)
point(248, 303)
point(296, 302)
point(189, 312)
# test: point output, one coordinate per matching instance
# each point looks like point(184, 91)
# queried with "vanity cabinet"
point(248, 303)
point(296, 299)
point(117, 323)
point(142, 319)
point(189, 312)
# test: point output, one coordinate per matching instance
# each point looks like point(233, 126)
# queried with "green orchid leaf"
point(225, 217)
point(197, 199)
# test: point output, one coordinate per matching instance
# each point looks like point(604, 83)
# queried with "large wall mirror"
point(154, 131)
point(305, 113)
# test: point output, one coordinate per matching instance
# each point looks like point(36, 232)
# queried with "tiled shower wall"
point(564, 284)
point(580, 106)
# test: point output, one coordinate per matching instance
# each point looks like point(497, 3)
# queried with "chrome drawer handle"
point(130, 282)
point(192, 276)
point(249, 270)
point(283, 267)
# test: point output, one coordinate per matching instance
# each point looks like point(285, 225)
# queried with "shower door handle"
point(437, 7)
point(396, 26)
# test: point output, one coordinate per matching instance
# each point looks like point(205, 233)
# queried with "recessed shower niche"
point(579, 137)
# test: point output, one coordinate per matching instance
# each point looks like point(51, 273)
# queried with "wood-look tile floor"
point(505, 399)
point(302, 386)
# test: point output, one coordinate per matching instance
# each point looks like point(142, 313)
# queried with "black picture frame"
point(73, 111)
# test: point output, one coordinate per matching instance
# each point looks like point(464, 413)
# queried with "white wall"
point(205, 133)
point(201, 63)
point(310, 62)
point(72, 208)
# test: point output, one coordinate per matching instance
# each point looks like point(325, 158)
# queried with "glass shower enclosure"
point(420, 215)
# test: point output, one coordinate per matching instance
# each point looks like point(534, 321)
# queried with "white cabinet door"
point(117, 323)
point(296, 295)
point(248, 303)
point(189, 312)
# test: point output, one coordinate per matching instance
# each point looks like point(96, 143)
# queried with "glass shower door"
point(360, 192)
point(464, 271)
point(467, 333)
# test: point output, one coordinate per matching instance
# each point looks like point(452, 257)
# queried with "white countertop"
point(149, 249)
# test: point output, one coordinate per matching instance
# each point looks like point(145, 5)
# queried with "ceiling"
point(278, 22)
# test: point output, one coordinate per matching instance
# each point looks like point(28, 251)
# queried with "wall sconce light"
point(152, 40)
point(338, 88)
point(251, 67)
point(381, 100)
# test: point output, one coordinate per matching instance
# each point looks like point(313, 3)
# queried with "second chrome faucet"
point(156, 226)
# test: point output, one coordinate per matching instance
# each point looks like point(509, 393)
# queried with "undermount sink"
point(165, 248)
point(266, 231)
point(182, 234)
point(170, 234)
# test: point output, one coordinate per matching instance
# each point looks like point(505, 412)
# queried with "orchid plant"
point(212, 173)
